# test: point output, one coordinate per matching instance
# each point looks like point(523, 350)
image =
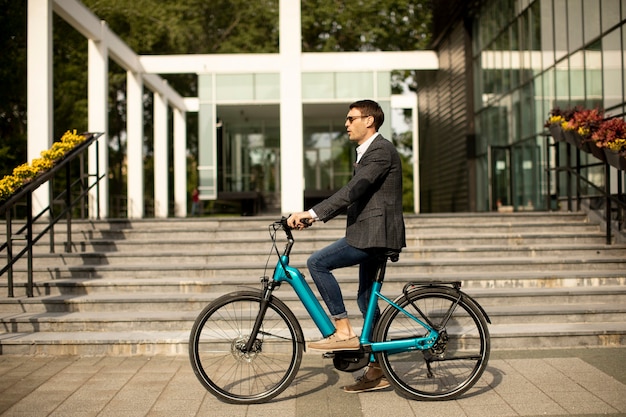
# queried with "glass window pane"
point(562, 83)
point(384, 84)
point(577, 77)
point(591, 10)
point(547, 33)
point(593, 75)
point(235, 87)
point(354, 84)
point(524, 46)
point(267, 86)
point(327, 160)
point(610, 13)
point(515, 48)
point(612, 69)
point(527, 106)
point(540, 105)
point(560, 32)
point(318, 85)
point(575, 24)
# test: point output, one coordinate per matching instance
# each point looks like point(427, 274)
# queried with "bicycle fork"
point(265, 302)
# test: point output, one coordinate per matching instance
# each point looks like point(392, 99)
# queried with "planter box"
point(556, 132)
point(615, 160)
point(597, 152)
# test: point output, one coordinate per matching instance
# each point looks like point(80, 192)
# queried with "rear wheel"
point(220, 360)
point(458, 358)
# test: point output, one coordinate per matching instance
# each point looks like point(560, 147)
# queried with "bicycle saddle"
point(392, 255)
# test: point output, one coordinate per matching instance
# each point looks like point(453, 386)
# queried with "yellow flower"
point(42, 164)
point(26, 172)
point(616, 145)
point(556, 120)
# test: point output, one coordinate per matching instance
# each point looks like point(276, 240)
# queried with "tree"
point(12, 85)
point(365, 25)
point(189, 27)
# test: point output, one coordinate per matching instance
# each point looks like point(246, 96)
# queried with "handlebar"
point(283, 225)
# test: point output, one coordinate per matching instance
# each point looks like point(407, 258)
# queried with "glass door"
point(515, 179)
point(500, 179)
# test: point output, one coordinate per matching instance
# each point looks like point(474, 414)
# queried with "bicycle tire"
point(229, 373)
point(456, 361)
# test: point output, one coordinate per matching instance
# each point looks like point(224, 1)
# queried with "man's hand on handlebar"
point(300, 220)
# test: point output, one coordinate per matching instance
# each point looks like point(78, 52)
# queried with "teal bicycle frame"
point(285, 273)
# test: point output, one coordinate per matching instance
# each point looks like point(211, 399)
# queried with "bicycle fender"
point(447, 285)
point(482, 310)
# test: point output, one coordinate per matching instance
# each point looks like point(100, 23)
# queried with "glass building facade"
point(502, 66)
point(529, 57)
point(240, 159)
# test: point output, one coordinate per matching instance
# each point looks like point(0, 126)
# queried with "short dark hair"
point(370, 108)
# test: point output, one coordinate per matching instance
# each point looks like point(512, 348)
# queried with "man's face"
point(357, 125)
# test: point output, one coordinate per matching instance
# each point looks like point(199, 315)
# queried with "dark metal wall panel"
point(444, 119)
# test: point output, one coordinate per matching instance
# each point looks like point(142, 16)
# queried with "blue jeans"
point(339, 255)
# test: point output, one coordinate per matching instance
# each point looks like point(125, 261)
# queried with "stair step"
point(138, 342)
point(205, 256)
point(157, 319)
point(186, 284)
point(160, 267)
point(135, 287)
point(177, 302)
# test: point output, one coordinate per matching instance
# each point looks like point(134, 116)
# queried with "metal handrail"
point(610, 200)
point(25, 193)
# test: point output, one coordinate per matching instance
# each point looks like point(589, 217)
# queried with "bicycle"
point(432, 341)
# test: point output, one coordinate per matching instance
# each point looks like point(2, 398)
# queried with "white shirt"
point(362, 148)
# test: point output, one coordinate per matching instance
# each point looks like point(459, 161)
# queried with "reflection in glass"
point(327, 160)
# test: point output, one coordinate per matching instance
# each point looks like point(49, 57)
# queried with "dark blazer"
point(372, 200)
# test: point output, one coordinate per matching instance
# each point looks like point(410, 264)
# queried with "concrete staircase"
point(135, 287)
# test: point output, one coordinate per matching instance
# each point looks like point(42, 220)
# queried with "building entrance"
point(514, 177)
point(249, 161)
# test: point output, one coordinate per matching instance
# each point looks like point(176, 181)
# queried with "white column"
point(291, 125)
point(409, 101)
point(98, 121)
point(39, 88)
point(134, 144)
point(180, 163)
point(416, 158)
point(161, 176)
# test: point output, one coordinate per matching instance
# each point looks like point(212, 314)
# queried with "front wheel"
point(222, 363)
point(455, 362)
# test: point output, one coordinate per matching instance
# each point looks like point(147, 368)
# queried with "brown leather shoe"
point(363, 384)
point(333, 342)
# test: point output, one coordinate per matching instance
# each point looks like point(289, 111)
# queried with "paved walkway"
point(577, 382)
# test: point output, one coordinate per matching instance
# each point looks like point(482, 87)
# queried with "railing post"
point(68, 207)
point(9, 253)
point(620, 219)
point(97, 145)
point(83, 183)
point(557, 175)
point(607, 203)
point(578, 196)
point(569, 177)
point(51, 218)
point(548, 174)
point(29, 242)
